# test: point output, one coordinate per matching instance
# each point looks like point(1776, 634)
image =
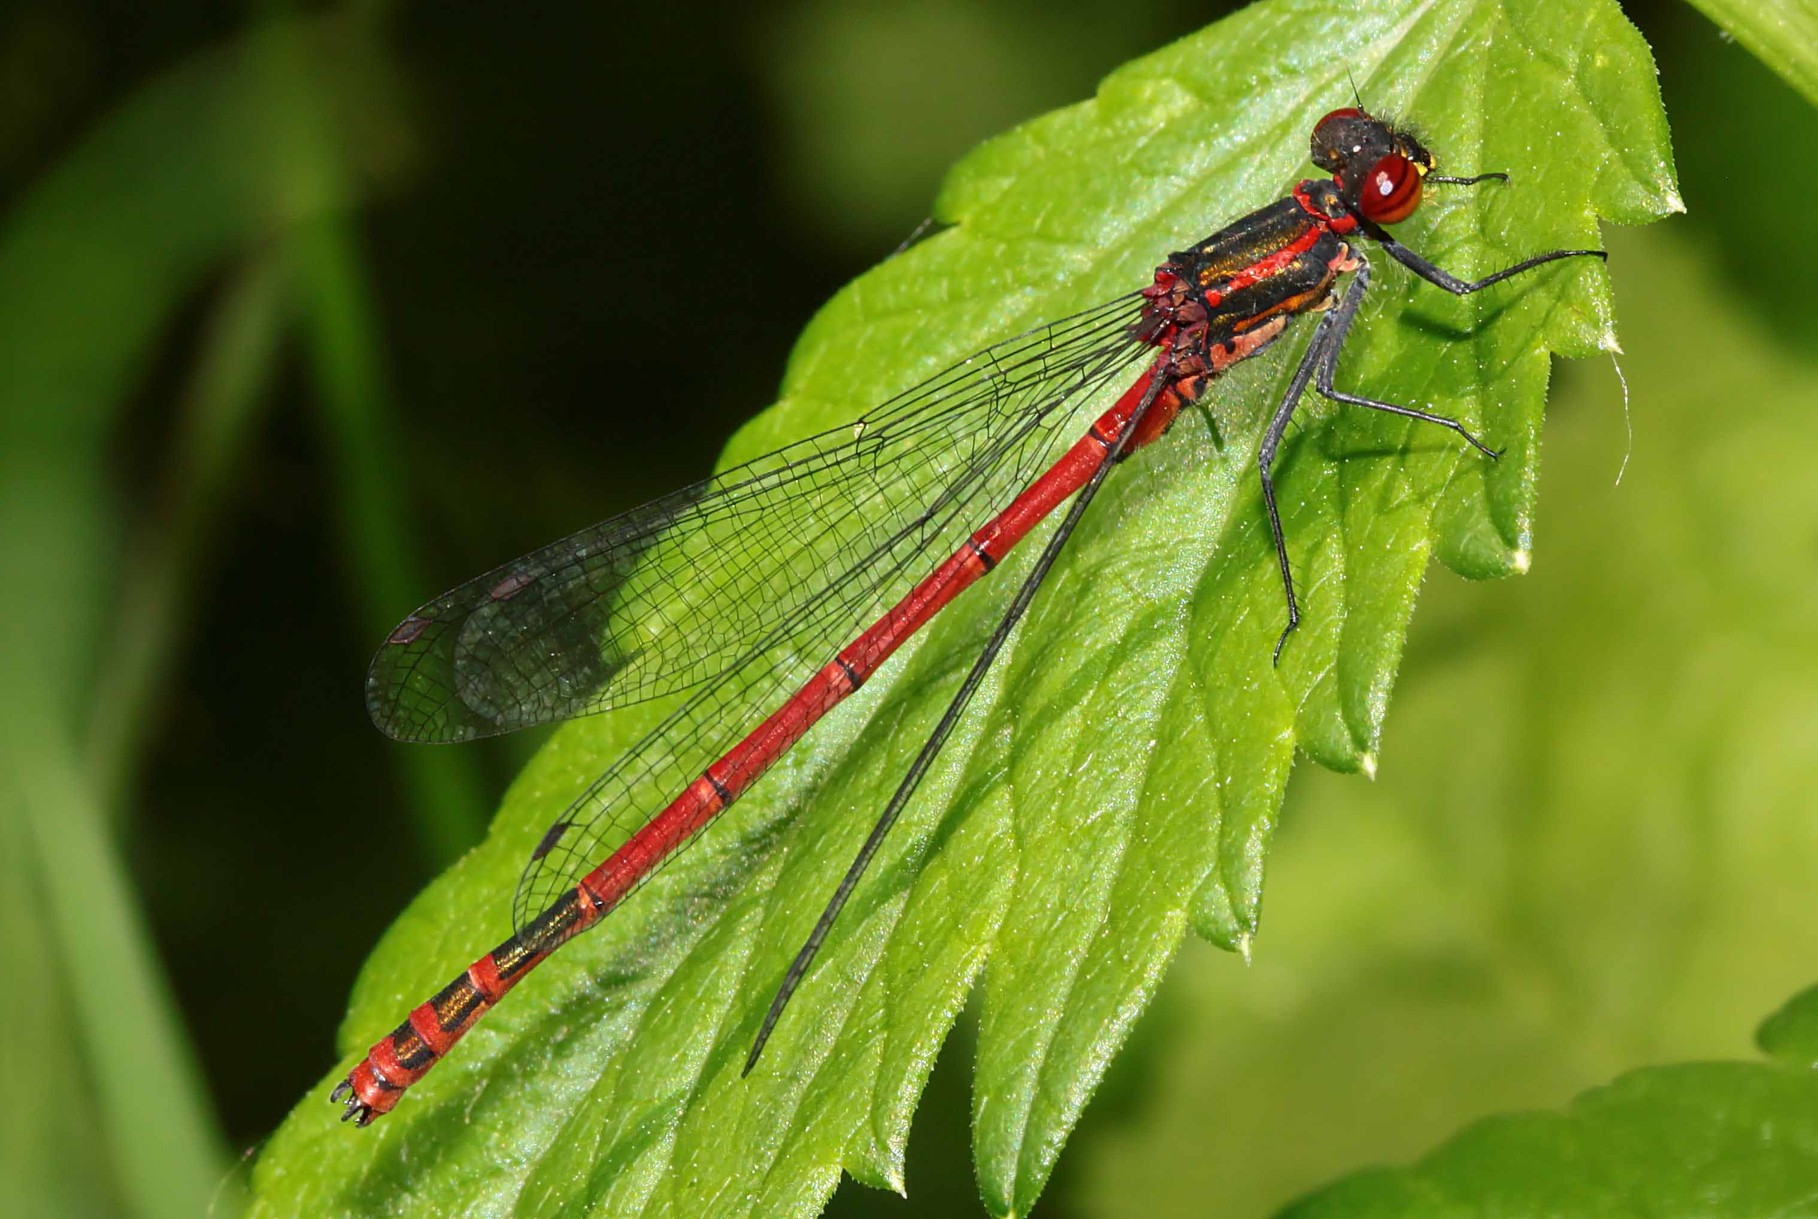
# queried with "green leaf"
point(1590, 846)
point(1783, 34)
point(1118, 778)
point(1715, 1138)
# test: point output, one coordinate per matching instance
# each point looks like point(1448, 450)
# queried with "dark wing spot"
point(551, 836)
point(510, 586)
point(408, 630)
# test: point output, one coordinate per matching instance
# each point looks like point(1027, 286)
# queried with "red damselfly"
point(774, 590)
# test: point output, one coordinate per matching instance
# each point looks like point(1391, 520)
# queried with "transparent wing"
point(968, 479)
point(674, 593)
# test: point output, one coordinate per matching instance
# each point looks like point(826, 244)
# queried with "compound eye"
point(1390, 191)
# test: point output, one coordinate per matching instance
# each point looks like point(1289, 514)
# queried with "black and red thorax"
point(1230, 296)
point(1233, 294)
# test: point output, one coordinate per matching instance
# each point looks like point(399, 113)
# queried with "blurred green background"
point(306, 315)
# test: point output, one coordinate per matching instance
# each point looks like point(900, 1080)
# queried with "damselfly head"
point(1376, 165)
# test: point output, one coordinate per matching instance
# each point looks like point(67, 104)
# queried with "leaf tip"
point(1791, 1034)
point(1520, 561)
point(1243, 946)
point(1366, 762)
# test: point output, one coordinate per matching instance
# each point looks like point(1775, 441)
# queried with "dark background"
point(580, 246)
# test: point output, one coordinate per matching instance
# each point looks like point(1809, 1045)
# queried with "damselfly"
point(754, 588)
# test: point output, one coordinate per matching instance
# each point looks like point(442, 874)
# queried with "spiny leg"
point(1336, 320)
point(1439, 278)
point(1464, 287)
point(1342, 317)
point(1320, 364)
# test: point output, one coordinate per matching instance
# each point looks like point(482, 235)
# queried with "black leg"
point(1321, 362)
point(1462, 287)
point(1342, 317)
point(1331, 331)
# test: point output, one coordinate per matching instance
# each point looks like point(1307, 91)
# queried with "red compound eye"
point(1391, 190)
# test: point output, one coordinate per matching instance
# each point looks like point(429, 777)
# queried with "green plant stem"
point(219, 414)
point(340, 333)
point(340, 329)
point(157, 1124)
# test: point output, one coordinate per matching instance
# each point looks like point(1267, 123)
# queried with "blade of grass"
point(341, 335)
point(50, 1159)
point(94, 261)
point(340, 328)
point(219, 414)
point(154, 1105)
